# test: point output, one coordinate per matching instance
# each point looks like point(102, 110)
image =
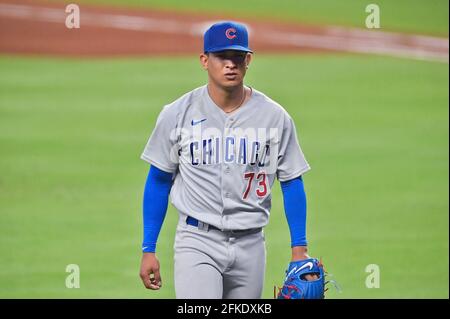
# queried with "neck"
point(227, 98)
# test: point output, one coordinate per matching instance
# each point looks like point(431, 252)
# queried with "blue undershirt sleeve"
point(294, 199)
point(156, 198)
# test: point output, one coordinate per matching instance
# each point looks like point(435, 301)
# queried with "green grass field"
point(399, 15)
point(375, 131)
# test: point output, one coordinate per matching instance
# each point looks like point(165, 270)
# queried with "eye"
point(237, 58)
point(240, 58)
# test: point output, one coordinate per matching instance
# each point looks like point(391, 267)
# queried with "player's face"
point(226, 68)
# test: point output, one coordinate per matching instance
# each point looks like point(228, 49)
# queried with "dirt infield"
point(38, 28)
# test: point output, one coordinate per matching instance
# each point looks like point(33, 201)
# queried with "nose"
point(230, 64)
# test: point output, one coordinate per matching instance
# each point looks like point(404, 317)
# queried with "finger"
point(146, 280)
point(150, 283)
point(310, 277)
point(154, 286)
point(157, 277)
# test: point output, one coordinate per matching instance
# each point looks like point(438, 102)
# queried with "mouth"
point(231, 75)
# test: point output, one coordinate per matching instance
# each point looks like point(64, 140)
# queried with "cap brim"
point(230, 47)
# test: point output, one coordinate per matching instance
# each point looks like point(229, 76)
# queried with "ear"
point(248, 59)
point(204, 61)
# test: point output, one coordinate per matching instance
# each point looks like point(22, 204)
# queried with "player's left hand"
point(304, 280)
point(299, 253)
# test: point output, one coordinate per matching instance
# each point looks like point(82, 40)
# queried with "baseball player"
point(217, 151)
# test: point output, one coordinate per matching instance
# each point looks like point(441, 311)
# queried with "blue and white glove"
point(295, 285)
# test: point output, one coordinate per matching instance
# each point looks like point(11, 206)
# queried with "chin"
point(231, 83)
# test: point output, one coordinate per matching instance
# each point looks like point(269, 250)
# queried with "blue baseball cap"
point(226, 36)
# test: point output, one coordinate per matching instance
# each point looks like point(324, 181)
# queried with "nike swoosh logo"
point(197, 122)
point(308, 264)
point(292, 270)
point(144, 247)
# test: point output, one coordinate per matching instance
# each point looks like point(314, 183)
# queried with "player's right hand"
point(149, 272)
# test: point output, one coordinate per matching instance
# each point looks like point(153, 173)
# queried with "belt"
point(194, 222)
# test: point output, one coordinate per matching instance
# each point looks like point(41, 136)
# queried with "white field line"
point(439, 43)
point(347, 44)
point(333, 37)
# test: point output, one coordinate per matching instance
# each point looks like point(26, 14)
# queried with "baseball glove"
point(297, 287)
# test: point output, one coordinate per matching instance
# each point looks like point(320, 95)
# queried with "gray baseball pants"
point(214, 264)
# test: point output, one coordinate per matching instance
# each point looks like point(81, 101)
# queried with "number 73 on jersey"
point(260, 180)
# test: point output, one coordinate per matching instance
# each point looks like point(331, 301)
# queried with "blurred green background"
point(374, 129)
point(400, 15)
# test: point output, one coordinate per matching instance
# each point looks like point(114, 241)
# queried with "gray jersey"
point(224, 164)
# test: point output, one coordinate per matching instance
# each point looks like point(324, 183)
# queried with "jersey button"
point(227, 195)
